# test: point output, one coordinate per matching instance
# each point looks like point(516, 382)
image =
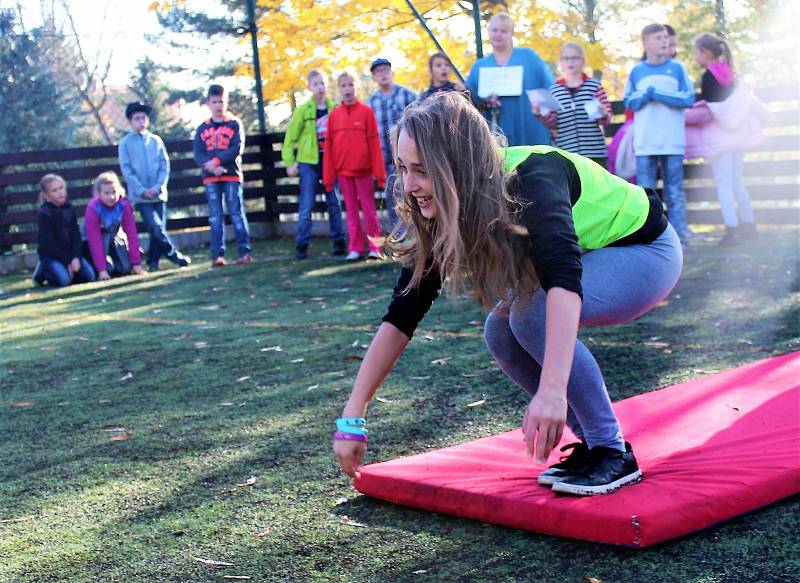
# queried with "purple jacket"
point(735, 124)
point(93, 228)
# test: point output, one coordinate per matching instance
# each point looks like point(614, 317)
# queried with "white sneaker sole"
point(578, 490)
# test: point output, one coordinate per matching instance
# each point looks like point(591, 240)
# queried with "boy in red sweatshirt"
point(353, 157)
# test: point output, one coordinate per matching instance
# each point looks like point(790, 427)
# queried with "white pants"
point(731, 191)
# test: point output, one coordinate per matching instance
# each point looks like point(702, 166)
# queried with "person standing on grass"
point(658, 91)
point(59, 238)
point(514, 117)
point(728, 120)
point(552, 241)
point(306, 134)
point(218, 147)
point(145, 167)
point(353, 157)
point(577, 126)
point(388, 103)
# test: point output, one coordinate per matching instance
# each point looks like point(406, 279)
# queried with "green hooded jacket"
point(302, 134)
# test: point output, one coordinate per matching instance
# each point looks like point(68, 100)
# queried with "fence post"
point(4, 229)
point(268, 180)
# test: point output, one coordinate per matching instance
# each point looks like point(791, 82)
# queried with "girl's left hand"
point(137, 270)
point(74, 266)
point(545, 416)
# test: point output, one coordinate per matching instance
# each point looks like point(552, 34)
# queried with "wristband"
point(342, 436)
point(352, 421)
point(343, 426)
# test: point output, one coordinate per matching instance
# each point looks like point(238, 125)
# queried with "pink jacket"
point(735, 124)
point(94, 233)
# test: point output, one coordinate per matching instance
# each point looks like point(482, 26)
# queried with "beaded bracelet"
point(345, 427)
point(352, 421)
point(341, 435)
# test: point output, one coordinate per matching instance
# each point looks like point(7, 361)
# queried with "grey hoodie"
point(145, 164)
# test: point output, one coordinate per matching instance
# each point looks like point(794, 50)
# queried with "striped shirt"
point(388, 109)
point(575, 132)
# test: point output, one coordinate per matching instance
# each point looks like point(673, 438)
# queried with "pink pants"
point(359, 192)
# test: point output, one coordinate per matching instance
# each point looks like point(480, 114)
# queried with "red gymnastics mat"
point(710, 449)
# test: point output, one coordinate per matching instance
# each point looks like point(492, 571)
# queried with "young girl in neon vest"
point(547, 240)
point(105, 214)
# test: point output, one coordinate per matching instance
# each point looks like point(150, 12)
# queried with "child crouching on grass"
point(59, 238)
point(105, 214)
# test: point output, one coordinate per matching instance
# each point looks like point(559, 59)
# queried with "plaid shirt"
point(388, 108)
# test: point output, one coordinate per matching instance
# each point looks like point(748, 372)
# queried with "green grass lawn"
point(147, 422)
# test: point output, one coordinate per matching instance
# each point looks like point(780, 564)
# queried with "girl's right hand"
point(350, 455)
point(292, 170)
point(103, 276)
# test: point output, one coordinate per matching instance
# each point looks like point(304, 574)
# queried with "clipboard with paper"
point(544, 99)
point(502, 81)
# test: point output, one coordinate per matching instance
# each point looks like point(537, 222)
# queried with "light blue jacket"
point(145, 164)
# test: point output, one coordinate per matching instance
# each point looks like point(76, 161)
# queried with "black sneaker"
point(607, 470)
point(569, 464)
point(180, 259)
point(301, 252)
point(339, 247)
point(731, 238)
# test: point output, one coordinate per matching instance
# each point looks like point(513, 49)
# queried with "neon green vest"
point(608, 209)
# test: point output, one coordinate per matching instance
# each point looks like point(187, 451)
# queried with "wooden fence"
point(772, 172)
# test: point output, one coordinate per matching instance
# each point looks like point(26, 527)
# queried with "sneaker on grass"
point(353, 256)
point(607, 470)
point(569, 464)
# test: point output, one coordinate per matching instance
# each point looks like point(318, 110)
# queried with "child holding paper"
point(583, 108)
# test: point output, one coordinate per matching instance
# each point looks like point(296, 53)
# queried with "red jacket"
point(352, 145)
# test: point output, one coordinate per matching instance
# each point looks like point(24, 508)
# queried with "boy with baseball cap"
point(145, 167)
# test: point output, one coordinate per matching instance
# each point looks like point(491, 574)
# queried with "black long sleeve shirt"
point(59, 237)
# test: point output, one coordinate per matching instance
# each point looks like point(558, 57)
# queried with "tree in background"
point(147, 86)
point(40, 110)
point(296, 35)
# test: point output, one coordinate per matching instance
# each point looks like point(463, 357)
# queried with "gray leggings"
point(619, 285)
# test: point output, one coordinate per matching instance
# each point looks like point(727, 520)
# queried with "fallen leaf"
point(468, 375)
point(226, 404)
point(213, 563)
point(114, 429)
point(382, 400)
point(249, 482)
point(656, 344)
point(7, 520)
point(420, 572)
point(201, 344)
point(20, 404)
point(158, 310)
point(662, 304)
point(104, 401)
point(261, 533)
point(242, 379)
point(441, 361)
point(121, 437)
point(211, 308)
point(82, 338)
point(272, 349)
point(346, 520)
point(425, 378)
point(312, 387)
point(296, 360)
point(354, 344)
point(476, 403)
point(127, 376)
point(353, 357)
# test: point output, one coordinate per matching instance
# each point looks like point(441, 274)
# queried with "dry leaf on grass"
point(127, 376)
point(261, 533)
point(312, 387)
point(476, 403)
point(382, 400)
point(272, 349)
point(441, 361)
point(349, 522)
point(296, 360)
point(213, 563)
point(423, 378)
point(121, 437)
point(114, 429)
point(242, 379)
point(353, 357)
point(7, 520)
point(21, 404)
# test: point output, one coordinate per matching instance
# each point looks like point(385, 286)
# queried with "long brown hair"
point(474, 237)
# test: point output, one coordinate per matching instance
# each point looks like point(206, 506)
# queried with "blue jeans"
point(310, 175)
point(234, 202)
point(672, 175)
point(57, 274)
point(154, 215)
point(619, 285)
point(389, 195)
